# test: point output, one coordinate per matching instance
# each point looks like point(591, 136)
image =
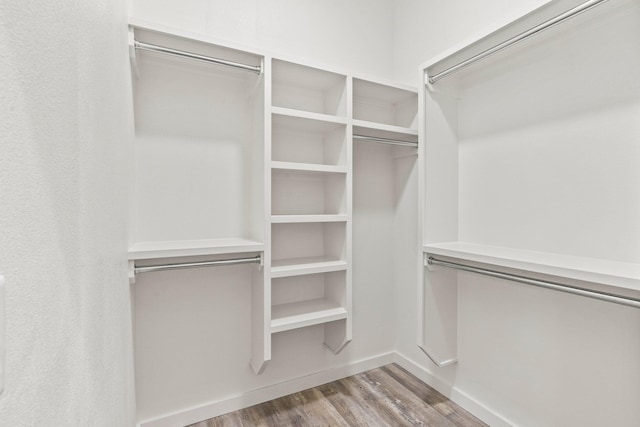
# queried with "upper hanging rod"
point(516, 39)
point(387, 141)
point(234, 261)
point(160, 49)
point(603, 296)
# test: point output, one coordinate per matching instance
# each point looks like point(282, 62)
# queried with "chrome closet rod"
point(161, 267)
point(603, 296)
point(516, 39)
point(386, 140)
point(160, 49)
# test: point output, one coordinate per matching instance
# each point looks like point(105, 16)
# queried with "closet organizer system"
point(241, 157)
point(529, 166)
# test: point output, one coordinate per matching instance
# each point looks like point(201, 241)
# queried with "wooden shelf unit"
point(196, 125)
point(228, 162)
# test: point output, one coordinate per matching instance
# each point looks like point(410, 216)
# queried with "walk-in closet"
point(387, 212)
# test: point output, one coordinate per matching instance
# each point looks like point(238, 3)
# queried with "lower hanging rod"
point(160, 49)
point(386, 141)
point(176, 266)
point(603, 296)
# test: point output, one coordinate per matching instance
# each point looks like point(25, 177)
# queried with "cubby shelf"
point(301, 114)
point(184, 248)
point(308, 167)
point(613, 273)
point(300, 314)
point(291, 219)
point(309, 265)
point(360, 126)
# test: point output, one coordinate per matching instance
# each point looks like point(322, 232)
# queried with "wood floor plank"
point(453, 412)
point(386, 396)
point(319, 410)
point(353, 413)
point(262, 415)
point(290, 410)
point(417, 411)
point(231, 419)
point(377, 402)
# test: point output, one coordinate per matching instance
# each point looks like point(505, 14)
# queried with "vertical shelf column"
point(310, 202)
point(261, 280)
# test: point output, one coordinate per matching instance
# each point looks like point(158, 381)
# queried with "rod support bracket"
point(132, 272)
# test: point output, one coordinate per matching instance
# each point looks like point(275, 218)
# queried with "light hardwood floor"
point(386, 396)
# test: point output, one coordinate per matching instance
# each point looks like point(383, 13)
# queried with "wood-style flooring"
point(386, 396)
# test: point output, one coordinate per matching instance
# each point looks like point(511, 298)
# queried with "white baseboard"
point(453, 393)
point(195, 414)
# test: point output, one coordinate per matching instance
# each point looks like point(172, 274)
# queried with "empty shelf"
point(290, 219)
point(308, 115)
point(183, 248)
point(308, 167)
point(381, 129)
point(301, 266)
point(612, 273)
point(285, 317)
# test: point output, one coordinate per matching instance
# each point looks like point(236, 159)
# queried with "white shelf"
point(612, 273)
point(285, 317)
point(360, 126)
point(301, 266)
point(183, 248)
point(301, 114)
point(308, 167)
point(291, 219)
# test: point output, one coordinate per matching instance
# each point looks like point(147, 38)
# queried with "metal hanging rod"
point(387, 141)
point(603, 296)
point(256, 259)
point(516, 39)
point(160, 49)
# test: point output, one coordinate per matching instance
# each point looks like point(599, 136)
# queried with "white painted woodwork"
point(529, 162)
point(308, 139)
point(307, 89)
point(282, 219)
point(617, 274)
point(307, 265)
point(304, 313)
point(185, 248)
point(287, 192)
point(198, 151)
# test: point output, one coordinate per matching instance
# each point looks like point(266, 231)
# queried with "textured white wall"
point(65, 122)
point(354, 35)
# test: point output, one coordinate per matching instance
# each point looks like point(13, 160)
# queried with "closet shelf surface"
point(184, 248)
point(290, 219)
point(362, 126)
point(308, 167)
point(309, 265)
point(300, 314)
point(301, 114)
point(612, 273)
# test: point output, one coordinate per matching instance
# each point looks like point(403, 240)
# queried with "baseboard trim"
point(199, 413)
point(467, 402)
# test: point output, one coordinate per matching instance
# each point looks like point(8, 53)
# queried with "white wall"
point(65, 123)
point(354, 35)
point(531, 356)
